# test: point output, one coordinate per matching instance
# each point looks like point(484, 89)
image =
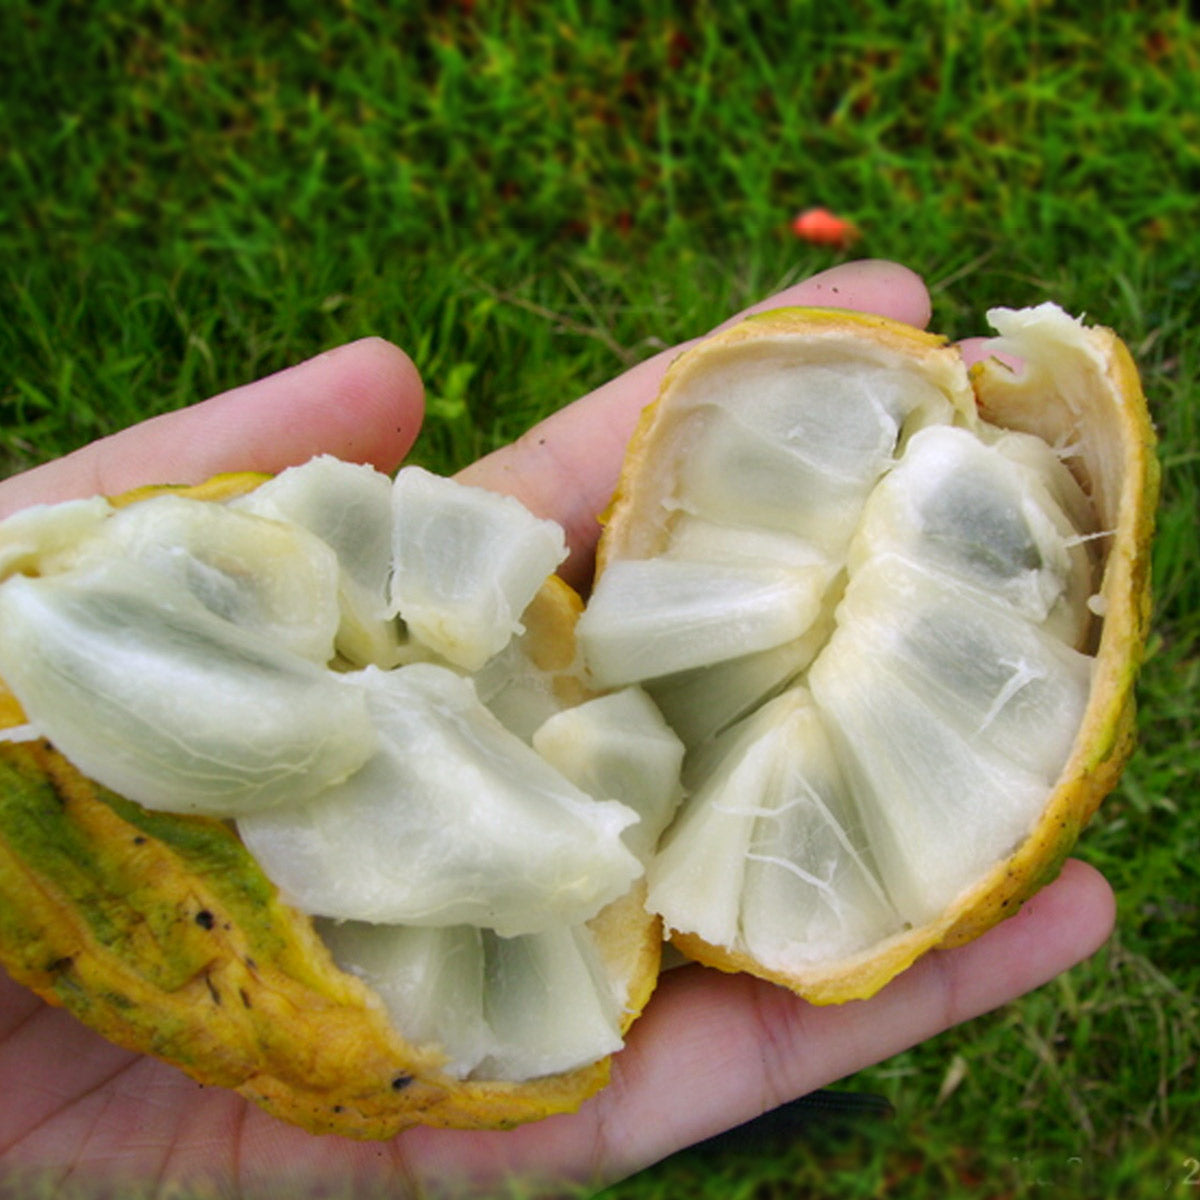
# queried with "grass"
point(530, 199)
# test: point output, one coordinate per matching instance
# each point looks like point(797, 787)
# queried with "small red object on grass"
point(823, 228)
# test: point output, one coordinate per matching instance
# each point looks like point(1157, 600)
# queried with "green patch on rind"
point(99, 864)
point(161, 932)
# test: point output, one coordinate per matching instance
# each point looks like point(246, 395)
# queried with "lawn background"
point(530, 198)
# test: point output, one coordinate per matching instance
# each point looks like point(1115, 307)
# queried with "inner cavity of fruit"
point(866, 612)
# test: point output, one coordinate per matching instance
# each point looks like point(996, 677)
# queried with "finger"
point(714, 1050)
point(976, 349)
point(566, 467)
point(973, 349)
point(869, 285)
point(362, 402)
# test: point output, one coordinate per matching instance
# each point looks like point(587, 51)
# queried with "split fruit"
point(302, 789)
point(322, 788)
point(895, 609)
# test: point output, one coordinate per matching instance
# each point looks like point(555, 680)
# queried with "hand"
point(711, 1050)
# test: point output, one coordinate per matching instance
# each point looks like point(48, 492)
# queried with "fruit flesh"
point(1078, 394)
point(171, 705)
point(454, 821)
point(957, 668)
point(558, 875)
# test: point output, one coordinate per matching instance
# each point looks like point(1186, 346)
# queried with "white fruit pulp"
point(884, 722)
point(298, 660)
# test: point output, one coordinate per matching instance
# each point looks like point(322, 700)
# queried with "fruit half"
point(302, 790)
point(895, 608)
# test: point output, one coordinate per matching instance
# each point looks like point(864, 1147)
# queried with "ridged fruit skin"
point(160, 932)
point(1094, 384)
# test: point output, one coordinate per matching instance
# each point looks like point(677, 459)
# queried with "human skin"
point(710, 1051)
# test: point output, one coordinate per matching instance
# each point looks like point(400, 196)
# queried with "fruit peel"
point(1077, 384)
point(160, 931)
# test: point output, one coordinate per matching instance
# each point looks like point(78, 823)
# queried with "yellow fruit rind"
point(158, 932)
point(1107, 733)
point(11, 712)
point(161, 932)
point(549, 622)
point(217, 489)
